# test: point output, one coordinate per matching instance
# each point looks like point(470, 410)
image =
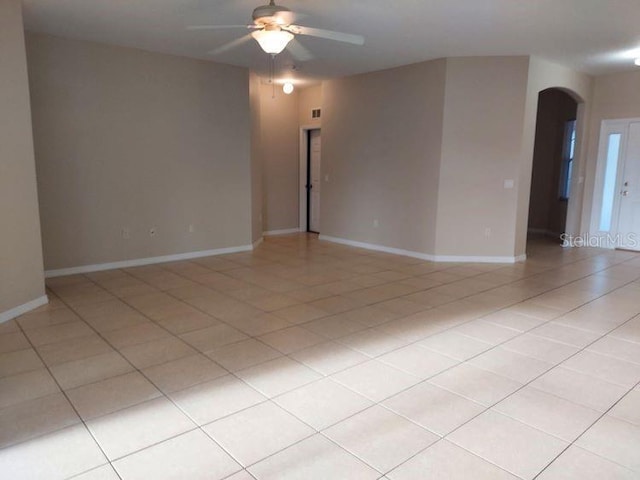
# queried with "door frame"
point(607, 127)
point(303, 221)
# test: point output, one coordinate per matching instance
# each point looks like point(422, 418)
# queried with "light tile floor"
point(310, 360)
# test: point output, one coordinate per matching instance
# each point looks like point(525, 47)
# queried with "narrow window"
point(610, 176)
point(568, 153)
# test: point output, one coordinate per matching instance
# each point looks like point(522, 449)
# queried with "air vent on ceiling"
point(316, 113)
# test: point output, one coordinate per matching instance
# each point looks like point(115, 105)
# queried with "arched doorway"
point(554, 163)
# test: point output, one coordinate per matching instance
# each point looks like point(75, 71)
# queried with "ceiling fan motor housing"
point(269, 14)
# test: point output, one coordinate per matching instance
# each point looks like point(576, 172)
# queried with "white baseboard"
point(287, 231)
point(24, 308)
point(478, 259)
point(138, 262)
point(257, 243)
point(377, 248)
point(424, 256)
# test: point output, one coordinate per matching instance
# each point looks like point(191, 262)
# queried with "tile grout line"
point(171, 333)
point(271, 399)
point(426, 380)
point(198, 427)
point(136, 369)
point(573, 443)
point(163, 394)
point(182, 301)
point(522, 387)
point(495, 346)
point(82, 421)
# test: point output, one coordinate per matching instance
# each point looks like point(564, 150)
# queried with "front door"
point(629, 191)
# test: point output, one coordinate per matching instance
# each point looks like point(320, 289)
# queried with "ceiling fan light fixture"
point(287, 88)
point(272, 41)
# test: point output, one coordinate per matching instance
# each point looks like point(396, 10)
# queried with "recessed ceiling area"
point(592, 36)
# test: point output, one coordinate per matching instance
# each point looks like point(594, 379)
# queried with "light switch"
point(326, 177)
point(509, 184)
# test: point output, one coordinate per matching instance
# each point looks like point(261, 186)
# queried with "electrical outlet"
point(126, 233)
point(192, 228)
point(487, 232)
point(376, 223)
point(152, 231)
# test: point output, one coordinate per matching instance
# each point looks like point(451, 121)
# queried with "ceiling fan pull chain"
point(272, 72)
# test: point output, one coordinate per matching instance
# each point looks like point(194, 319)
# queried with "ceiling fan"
point(274, 31)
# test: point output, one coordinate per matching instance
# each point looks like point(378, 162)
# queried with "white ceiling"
point(595, 36)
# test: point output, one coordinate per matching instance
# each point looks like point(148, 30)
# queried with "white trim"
point(423, 256)
point(146, 261)
point(478, 259)
point(24, 308)
point(287, 231)
point(377, 248)
point(257, 243)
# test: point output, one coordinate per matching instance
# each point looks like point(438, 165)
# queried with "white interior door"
point(629, 191)
point(315, 144)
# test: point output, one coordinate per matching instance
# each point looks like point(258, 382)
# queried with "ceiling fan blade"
point(285, 17)
point(299, 51)
point(217, 27)
point(328, 34)
point(229, 46)
point(288, 17)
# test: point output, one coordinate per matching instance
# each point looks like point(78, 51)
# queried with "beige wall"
point(547, 212)
point(426, 150)
point(484, 107)
point(21, 274)
point(615, 96)
point(131, 139)
point(280, 158)
point(381, 150)
point(421, 150)
point(309, 99)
